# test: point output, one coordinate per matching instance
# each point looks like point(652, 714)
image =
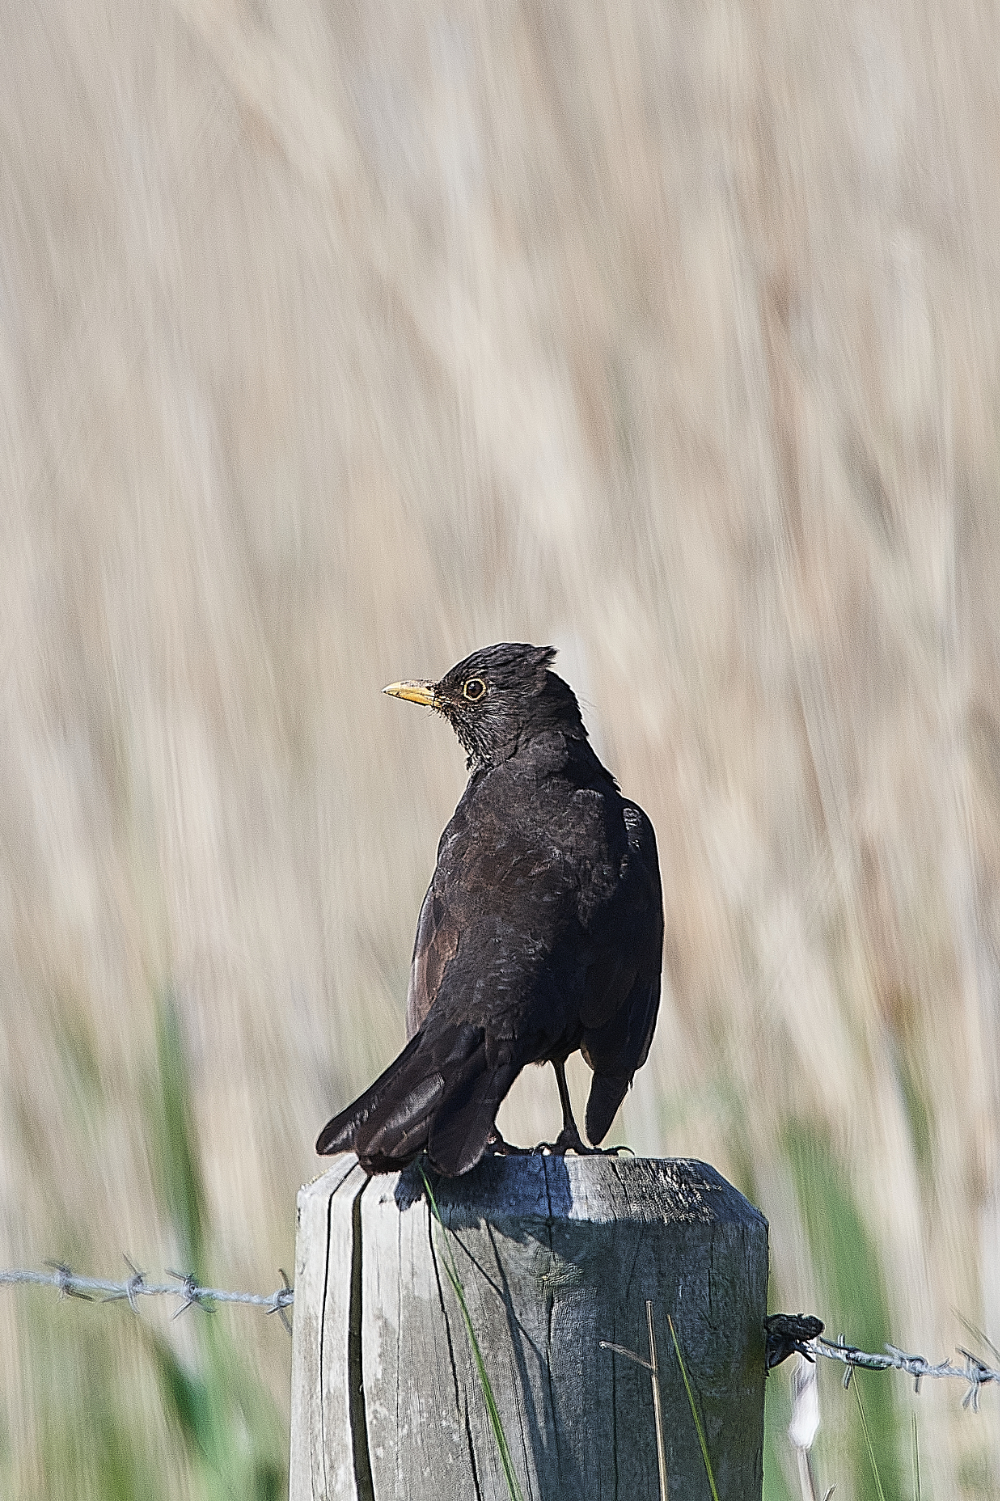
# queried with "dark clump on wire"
point(541, 931)
point(790, 1333)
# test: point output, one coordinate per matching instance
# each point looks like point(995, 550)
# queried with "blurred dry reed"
point(336, 341)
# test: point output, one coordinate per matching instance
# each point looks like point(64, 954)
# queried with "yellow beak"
point(416, 692)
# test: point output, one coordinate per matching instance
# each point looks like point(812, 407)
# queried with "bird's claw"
point(501, 1148)
point(572, 1141)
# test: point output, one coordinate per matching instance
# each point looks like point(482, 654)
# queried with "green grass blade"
point(849, 1265)
point(916, 1457)
point(218, 1406)
point(868, 1441)
point(694, 1411)
point(175, 1142)
point(493, 1412)
point(661, 1451)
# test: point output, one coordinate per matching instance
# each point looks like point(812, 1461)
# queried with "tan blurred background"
point(336, 341)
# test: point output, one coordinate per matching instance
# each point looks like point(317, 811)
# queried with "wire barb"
point(282, 1299)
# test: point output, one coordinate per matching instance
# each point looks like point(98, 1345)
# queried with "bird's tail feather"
point(399, 1135)
point(440, 1095)
point(463, 1121)
point(338, 1134)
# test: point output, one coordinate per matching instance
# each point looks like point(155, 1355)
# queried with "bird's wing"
point(435, 944)
point(623, 980)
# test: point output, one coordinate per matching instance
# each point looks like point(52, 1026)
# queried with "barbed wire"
point(185, 1286)
point(975, 1371)
point(786, 1332)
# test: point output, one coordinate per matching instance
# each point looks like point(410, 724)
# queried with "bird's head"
point(498, 698)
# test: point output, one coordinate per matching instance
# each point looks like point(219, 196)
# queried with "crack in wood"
point(364, 1484)
point(322, 1340)
point(459, 1401)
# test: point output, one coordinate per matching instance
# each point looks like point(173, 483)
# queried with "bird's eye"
point(474, 690)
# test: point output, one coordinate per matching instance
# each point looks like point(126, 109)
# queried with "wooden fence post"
point(555, 1255)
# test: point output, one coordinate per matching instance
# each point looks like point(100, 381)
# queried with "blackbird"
point(541, 931)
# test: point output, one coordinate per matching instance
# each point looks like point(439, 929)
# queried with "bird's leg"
point(570, 1133)
point(569, 1138)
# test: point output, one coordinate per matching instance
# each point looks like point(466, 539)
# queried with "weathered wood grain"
point(322, 1465)
point(554, 1256)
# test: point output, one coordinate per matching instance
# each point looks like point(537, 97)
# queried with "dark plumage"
point(541, 931)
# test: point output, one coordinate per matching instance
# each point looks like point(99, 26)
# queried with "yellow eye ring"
point(474, 690)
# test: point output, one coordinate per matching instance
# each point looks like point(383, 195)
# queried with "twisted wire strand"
point(975, 1372)
point(185, 1286)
